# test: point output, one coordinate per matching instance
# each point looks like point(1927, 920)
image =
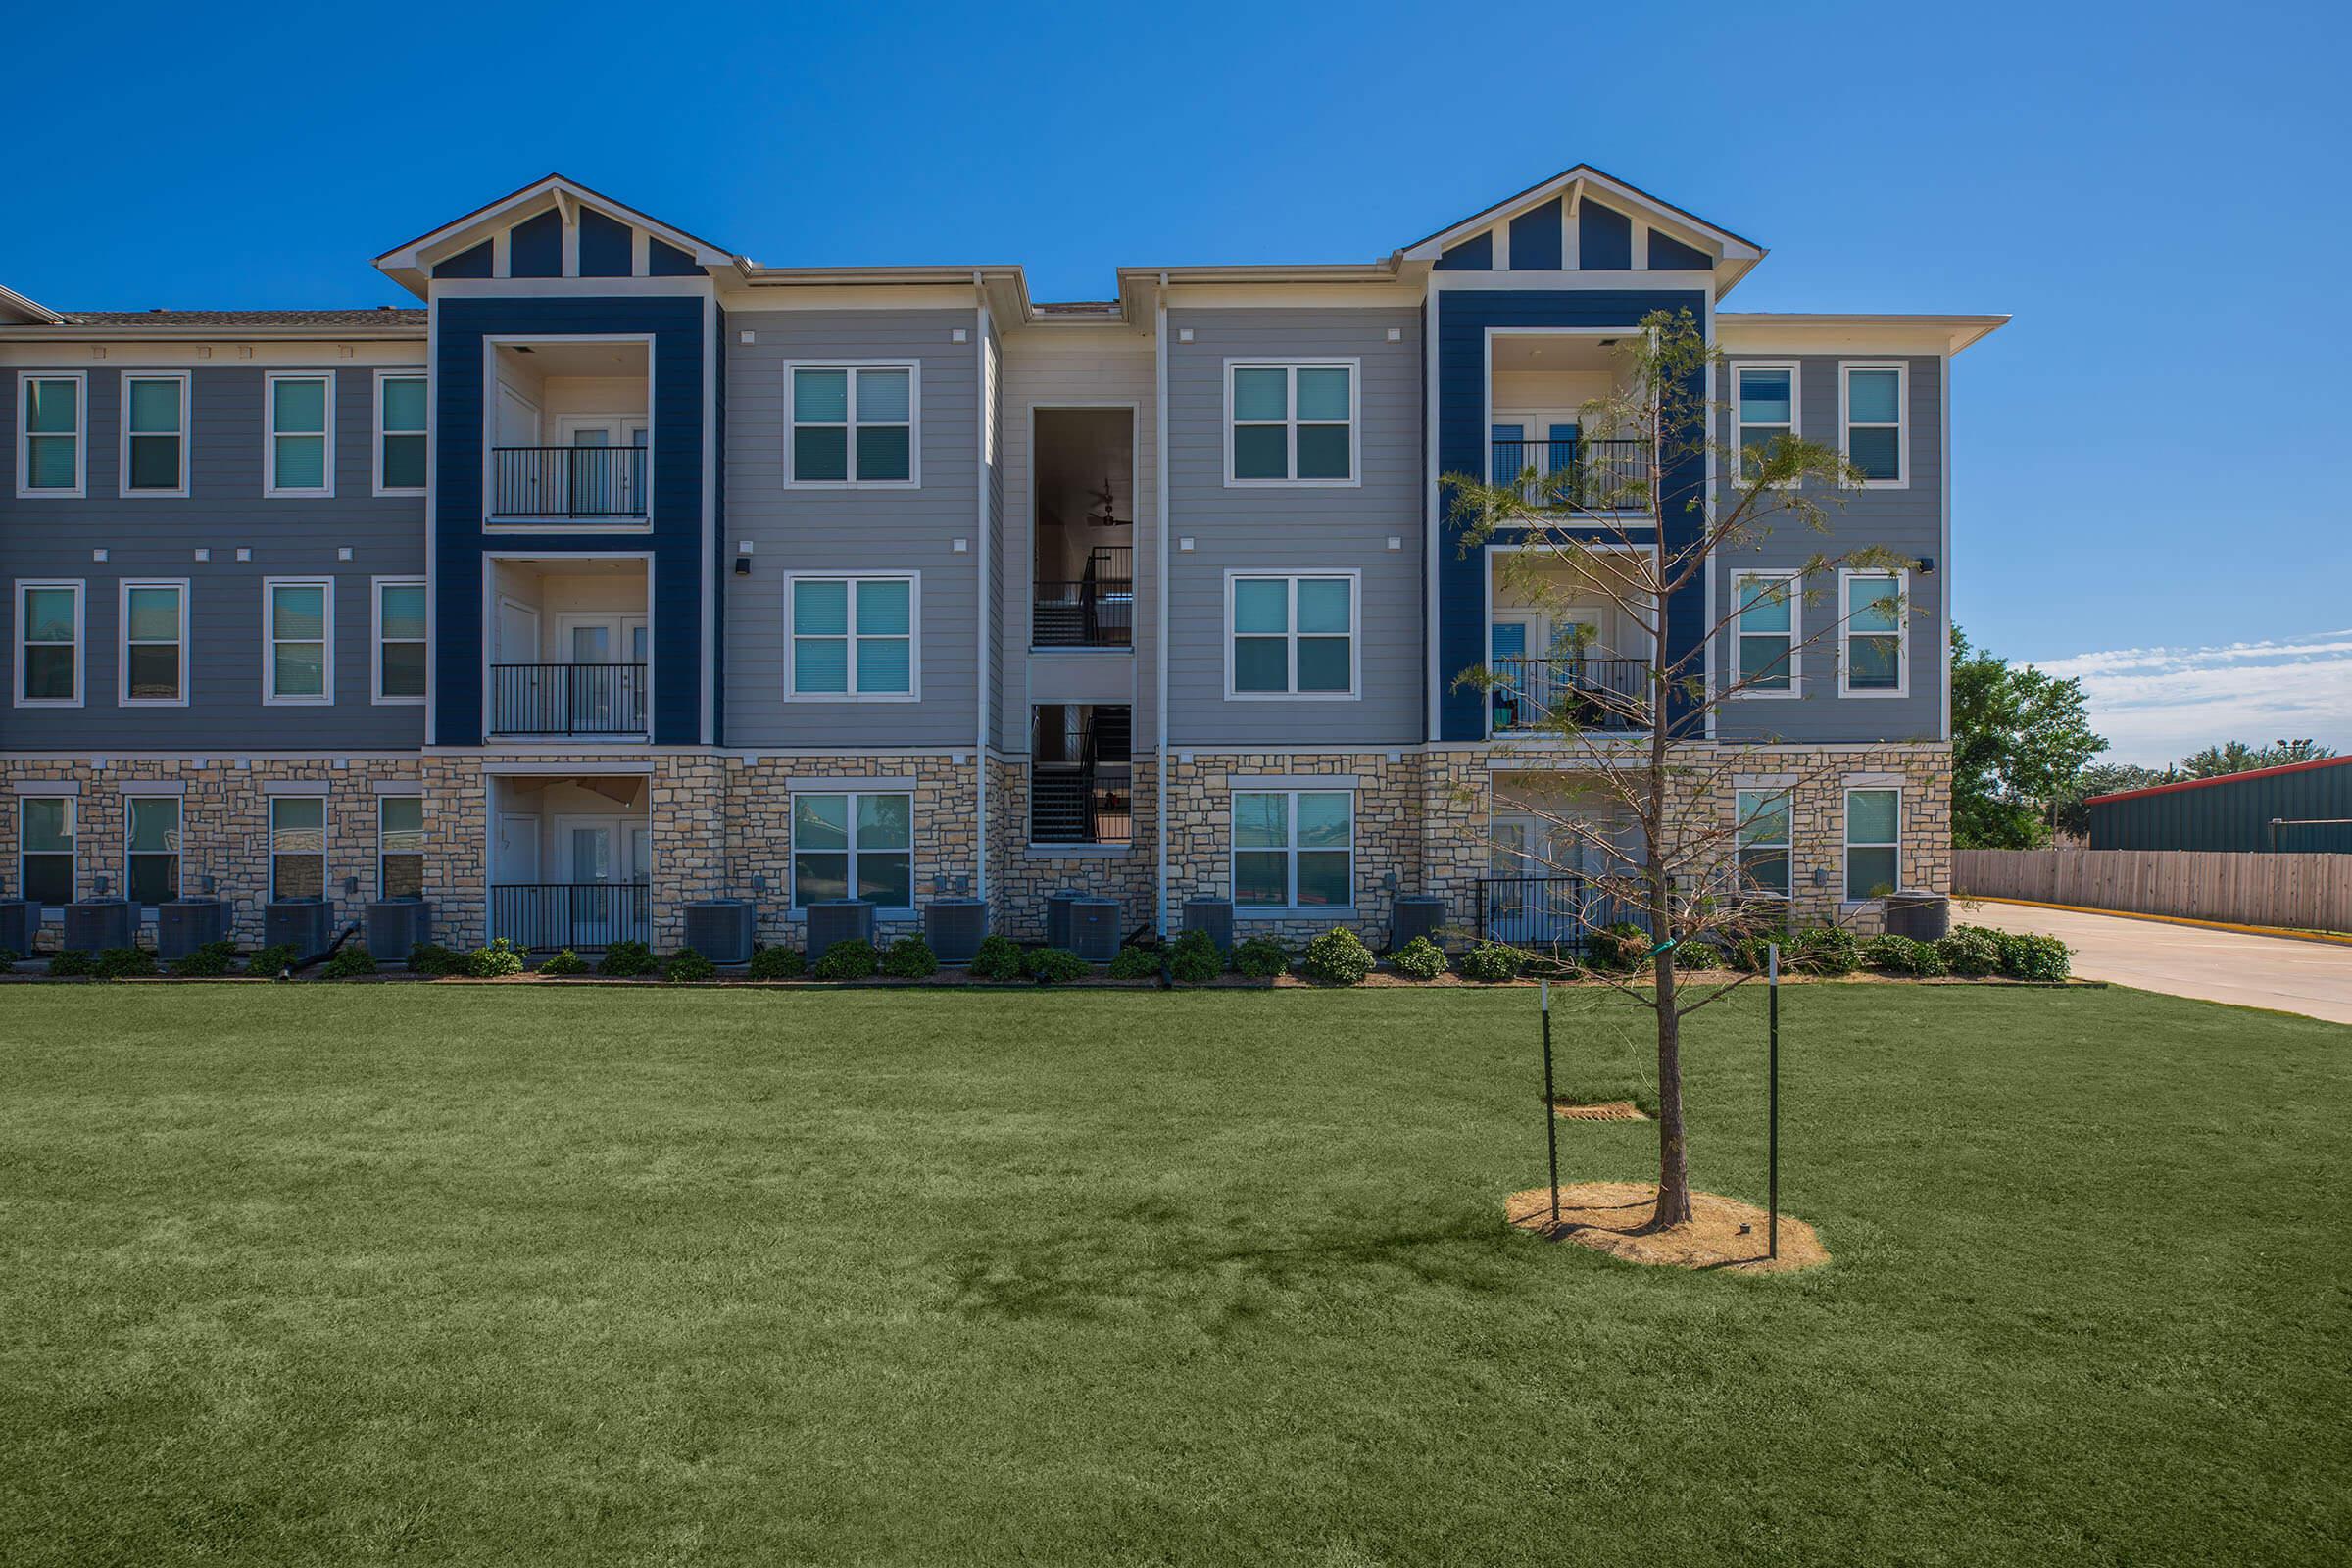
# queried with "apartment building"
point(624, 571)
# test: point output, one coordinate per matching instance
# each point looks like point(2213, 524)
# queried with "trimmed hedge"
point(272, 960)
point(1136, 964)
point(123, 963)
point(212, 960)
point(1825, 949)
point(627, 960)
point(495, 960)
point(1419, 960)
point(687, 965)
point(563, 963)
point(1893, 954)
point(431, 957)
point(999, 958)
point(1336, 958)
point(1194, 959)
point(1492, 963)
point(777, 964)
point(853, 959)
point(910, 958)
point(1055, 967)
point(350, 963)
point(1261, 958)
point(1970, 951)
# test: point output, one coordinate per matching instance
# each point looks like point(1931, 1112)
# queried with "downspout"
point(986, 400)
point(1160, 468)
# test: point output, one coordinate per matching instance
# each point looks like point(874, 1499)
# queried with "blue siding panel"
point(472, 263)
point(1536, 239)
point(1463, 318)
point(1670, 255)
point(535, 246)
point(605, 245)
point(1475, 255)
point(1604, 238)
point(665, 260)
point(675, 539)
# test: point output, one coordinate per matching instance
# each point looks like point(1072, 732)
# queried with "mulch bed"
point(1613, 1217)
point(1601, 1110)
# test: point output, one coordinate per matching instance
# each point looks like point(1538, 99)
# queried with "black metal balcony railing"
point(549, 916)
point(568, 481)
point(1097, 612)
point(1588, 475)
point(1553, 910)
point(567, 699)
point(1069, 803)
point(1595, 694)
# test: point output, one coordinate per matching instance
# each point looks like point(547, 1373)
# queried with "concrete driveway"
point(2313, 978)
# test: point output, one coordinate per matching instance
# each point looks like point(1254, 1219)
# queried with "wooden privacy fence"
point(2308, 892)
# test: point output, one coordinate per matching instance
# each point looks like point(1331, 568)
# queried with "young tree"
point(2020, 740)
point(1641, 529)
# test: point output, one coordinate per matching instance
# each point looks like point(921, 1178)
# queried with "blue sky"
point(2148, 486)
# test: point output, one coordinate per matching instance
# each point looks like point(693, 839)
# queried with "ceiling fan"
point(1106, 519)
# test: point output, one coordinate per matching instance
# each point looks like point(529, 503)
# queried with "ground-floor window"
point(1294, 849)
point(1766, 864)
point(298, 847)
point(853, 844)
point(151, 868)
point(1873, 832)
point(400, 846)
point(45, 828)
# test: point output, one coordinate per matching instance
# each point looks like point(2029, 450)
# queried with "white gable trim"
point(567, 197)
point(1573, 183)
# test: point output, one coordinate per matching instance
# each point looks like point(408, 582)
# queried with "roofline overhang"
point(18, 303)
point(70, 332)
point(407, 262)
point(1961, 331)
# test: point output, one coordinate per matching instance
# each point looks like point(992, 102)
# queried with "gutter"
point(1160, 468)
point(985, 399)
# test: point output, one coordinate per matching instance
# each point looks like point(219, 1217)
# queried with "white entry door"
point(522, 916)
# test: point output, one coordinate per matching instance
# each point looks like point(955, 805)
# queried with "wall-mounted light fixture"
point(743, 566)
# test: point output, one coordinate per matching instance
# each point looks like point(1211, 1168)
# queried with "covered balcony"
point(572, 861)
point(1567, 643)
point(571, 435)
point(1084, 559)
point(1546, 435)
point(572, 651)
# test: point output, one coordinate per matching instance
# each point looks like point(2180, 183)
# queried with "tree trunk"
point(1674, 1165)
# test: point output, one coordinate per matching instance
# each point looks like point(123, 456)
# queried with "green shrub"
point(1055, 967)
point(1194, 959)
point(1620, 948)
point(123, 964)
point(66, 964)
point(349, 964)
point(500, 958)
point(1893, 955)
point(212, 960)
point(1698, 952)
point(777, 964)
point(1825, 949)
point(1261, 958)
point(910, 958)
point(999, 958)
point(1970, 951)
point(563, 963)
point(627, 960)
point(1336, 958)
point(9, 955)
point(2026, 956)
point(853, 959)
point(279, 957)
point(431, 957)
point(1492, 963)
point(686, 964)
point(1136, 964)
point(1419, 960)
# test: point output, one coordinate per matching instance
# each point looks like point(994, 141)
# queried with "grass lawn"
point(329, 1275)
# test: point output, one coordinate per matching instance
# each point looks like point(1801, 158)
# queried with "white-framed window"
point(1871, 404)
point(1764, 397)
point(1767, 858)
point(52, 458)
point(154, 615)
point(852, 638)
point(298, 639)
point(400, 640)
point(1294, 849)
point(851, 423)
point(151, 843)
point(300, 457)
point(1291, 423)
point(154, 457)
point(853, 844)
point(1874, 839)
point(298, 846)
point(1874, 633)
point(47, 826)
point(49, 622)
point(1770, 627)
point(400, 432)
point(400, 846)
point(1291, 634)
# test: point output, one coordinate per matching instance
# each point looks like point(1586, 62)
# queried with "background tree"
point(2236, 756)
point(2020, 740)
point(1643, 743)
point(2073, 817)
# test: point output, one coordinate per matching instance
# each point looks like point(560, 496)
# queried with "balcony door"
point(609, 697)
point(1542, 439)
point(596, 485)
point(605, 860)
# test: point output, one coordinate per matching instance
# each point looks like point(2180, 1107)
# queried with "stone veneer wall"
point(1021, 876)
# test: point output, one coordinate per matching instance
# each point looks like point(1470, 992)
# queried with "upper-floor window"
point(1294, 849)
point(1289, 424)
point(1873, 837)
point(400, 846)
point(1291, 635)
point(49, 644)
point(1768, 633)
point(1873, 397)
point(151, 849)
point(155, 643)
point(852, 637)
point(50, 456)
point(400, 433)
point(299, 640)
point(851, 424)
point(46, 826)
point(298, 846)
point(155, 434)
point(854, 845)
point(1766, 864)
point(400, 645)
point(1876, 644)
point(1767, 410)
point(302, 420)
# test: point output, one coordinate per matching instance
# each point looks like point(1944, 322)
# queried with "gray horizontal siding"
point(1909, 520)
point(1339, 527)
point(852, 530)
point(223, 511)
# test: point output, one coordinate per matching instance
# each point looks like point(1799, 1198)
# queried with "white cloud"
point(2155, 704)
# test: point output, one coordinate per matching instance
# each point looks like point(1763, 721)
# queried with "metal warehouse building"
point(2303, 808)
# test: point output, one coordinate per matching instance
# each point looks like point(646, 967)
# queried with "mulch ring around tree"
point(1598, 1110)
point(1612, 1217)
